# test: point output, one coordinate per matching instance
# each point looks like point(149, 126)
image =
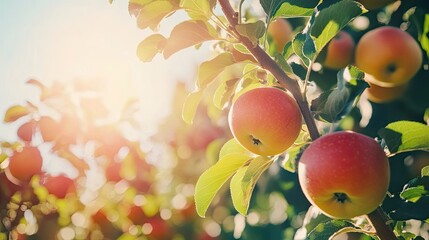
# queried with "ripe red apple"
point(26, 131)
point(345, 174)
point(379, 94)
point(339, 51)
point(49, 128)
point(59, 186)
point(265, 120)
point(374, 4)
point(391, 56)
point(24, 164)
point(281, 32)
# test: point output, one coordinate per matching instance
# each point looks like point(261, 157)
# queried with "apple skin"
point(24, 164)
point(389, 55)
point(344, 163)
point(374, 4)
point(281, 32)
point(25, 131)
point(60, 186)
point(379, 94)
point(339, 51)
point(265, 120)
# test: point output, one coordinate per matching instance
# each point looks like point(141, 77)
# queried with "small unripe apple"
point(24, 164)
point(339, 51)
point(265, 120)
point(345, 174)
point(281, 32)
point(389, 55)
point(380, 94)
point(374, 4)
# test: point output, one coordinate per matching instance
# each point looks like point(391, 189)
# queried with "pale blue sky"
point(89, 39)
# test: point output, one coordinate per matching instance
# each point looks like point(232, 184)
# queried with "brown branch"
point(379, 221)
point(269, 64)
point(377, 217)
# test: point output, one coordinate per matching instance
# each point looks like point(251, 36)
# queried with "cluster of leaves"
point(233, 71)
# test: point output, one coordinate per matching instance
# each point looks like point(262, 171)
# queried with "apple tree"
point(350, 66)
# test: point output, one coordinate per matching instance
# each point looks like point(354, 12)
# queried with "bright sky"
point(84, 39)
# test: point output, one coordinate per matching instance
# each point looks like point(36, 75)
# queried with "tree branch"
point(269, 64)
point(379, 220)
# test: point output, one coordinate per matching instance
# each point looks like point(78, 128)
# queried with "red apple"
point(24, 164)
point(59, 186)
point(345, 174)
point(26, 131)
point(265, 120)
point(389, 55)
point(281, 32)
point(339, 51)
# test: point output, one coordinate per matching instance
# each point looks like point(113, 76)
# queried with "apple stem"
point(269, 64)
point(379, 221)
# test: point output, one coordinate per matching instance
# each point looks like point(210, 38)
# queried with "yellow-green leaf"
point(198, 9)
point(255, 169)
point(15, 112)
point(213, 178)
point(151, 14)
point(209, 70)
point(237, 193)
point(233, 147)
point(149, 47)
point(253, 31)
point(187, 34)
point(190, 106)
point(224, 92)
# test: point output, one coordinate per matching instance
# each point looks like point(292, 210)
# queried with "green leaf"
point(187, 34)
point(406, 210)
point(426, 115)
point(425, 171)
point(244, 181)
point(298, 44)
point(327, 230)
point(190, 106)
point(289, 163)
point(414, 193)
point(256, 167)
point(296, 8)
point(270, 6)
point(198, 9)
point(424, 40)
point(282, 62)
point(213, 178)
point(234, 147)
point(330, 19)
point(149, 47)
point(253, 31)
point(151, 14)
point(237, 193)
point(333, 105)
point(224, 92)
point(288, 8)
point(209, 70)
point(404, 136)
